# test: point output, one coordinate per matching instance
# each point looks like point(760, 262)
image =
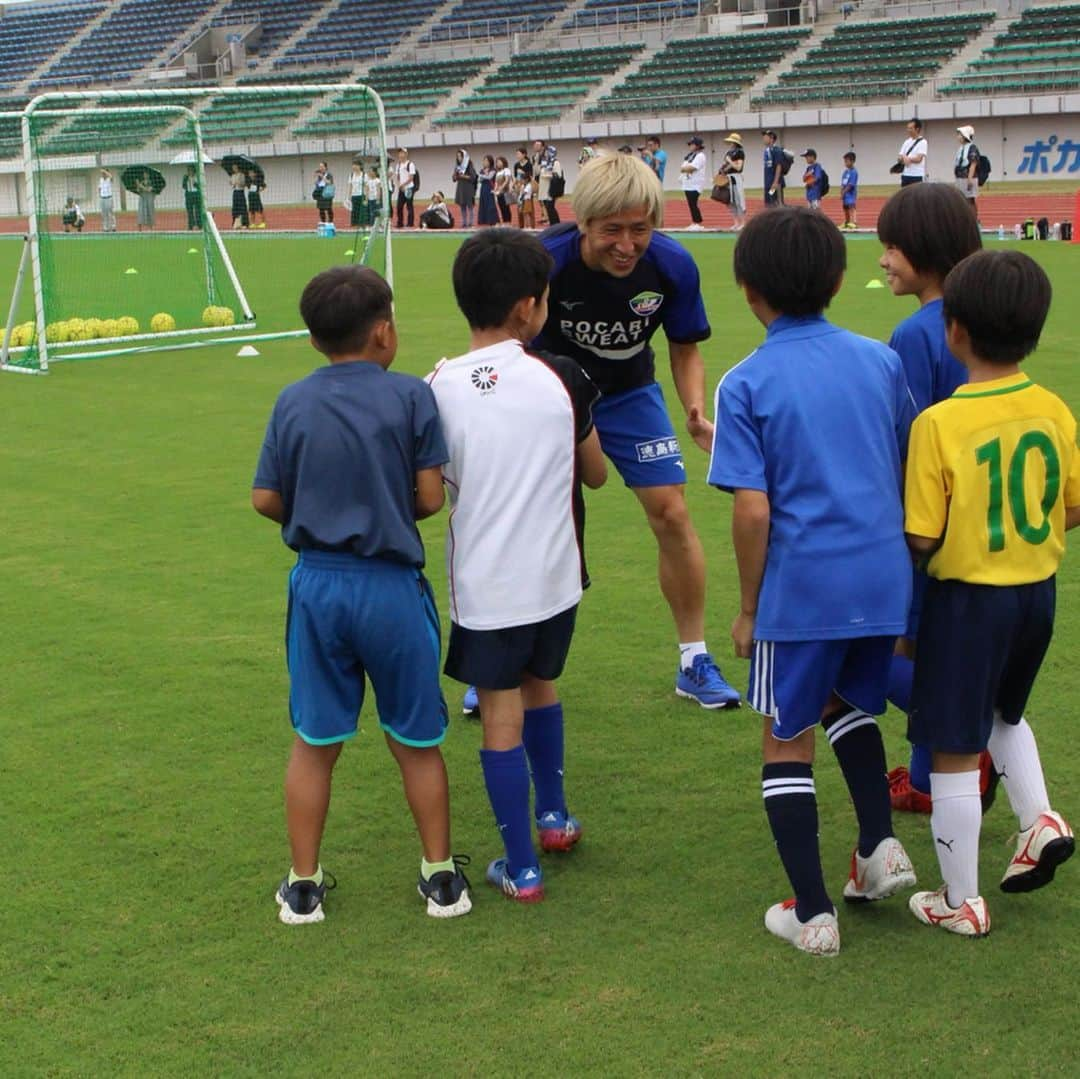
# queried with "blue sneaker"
point(526, 887)
point(704, 683)
point(558, 831)
point(470, 703)
point(301, 903)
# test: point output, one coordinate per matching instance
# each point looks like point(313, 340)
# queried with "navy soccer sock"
point(544, 742)
point(791, 806)
point(901, 674)
point(856, 741)
point(919, 768)
point(506, 776)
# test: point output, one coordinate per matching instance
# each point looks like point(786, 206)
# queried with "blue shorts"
point(499, 658)
point(979, 650)
point(636, 434)
point(791, 681)
point(352, 616)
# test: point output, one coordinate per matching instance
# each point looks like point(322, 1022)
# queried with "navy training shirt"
point(342, 448)
point(605, 323)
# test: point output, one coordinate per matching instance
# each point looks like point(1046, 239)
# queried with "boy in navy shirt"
point(849, 191)
point(811, 430)
point(351, 459)
point(812, 179)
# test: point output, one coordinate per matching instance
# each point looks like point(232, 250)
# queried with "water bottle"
point(1001, 232)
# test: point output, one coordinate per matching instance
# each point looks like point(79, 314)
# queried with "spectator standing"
point(551, 183)
point(774, 168)
point(240, 219)
point(504, 184)
point(105, 197)
point(464, 177)
point(912, 156)
point(523, 174)
point(849, 191)
point(694, 174)
point(357, 196)
point(373, 189)
point(256, 184)
point(487, 212)
point(147, 194)
point(654, 157)
point(405, 177)
point(192, 199)
point(812, 178)
point(966, 166)
point(588, 151)
point(732, 167)
point(324, 192)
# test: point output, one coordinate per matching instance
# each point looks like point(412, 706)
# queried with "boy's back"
point(933, 372)
point(512, 421)
point(818, 418)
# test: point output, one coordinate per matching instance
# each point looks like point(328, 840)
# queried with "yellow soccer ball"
point(94, 329)
point(127, 326)
point(162, 322)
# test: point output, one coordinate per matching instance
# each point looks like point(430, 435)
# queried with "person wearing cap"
point(693, 170)
point(966, 165)
point(588, 150)
point(654, 157)
point(732, 166)
point(774, 169)
point(912, 156)
point(812, 178)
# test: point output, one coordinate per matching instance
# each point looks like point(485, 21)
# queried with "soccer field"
point(145, 732)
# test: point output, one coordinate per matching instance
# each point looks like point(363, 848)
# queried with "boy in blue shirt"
point(812, 179)
point(811, 430)
point(849, 191)
point(351, 459)
point(926, 229)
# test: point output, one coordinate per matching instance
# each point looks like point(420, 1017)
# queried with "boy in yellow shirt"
point(993, 482)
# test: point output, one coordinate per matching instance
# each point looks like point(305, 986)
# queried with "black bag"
point(1042, 226)
point(556, 185)
point(317, 194)
point(415, 178)
point(787, 159)
point(982, 169)
point(897, 168)
point(824, 184)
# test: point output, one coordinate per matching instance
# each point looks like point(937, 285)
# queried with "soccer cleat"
point(558, 831)
point(447, 893)
point(526, 887)
point(988, 780)
point(970, 919)
point(301, 903)
point(1040, 849)
point(818, 936)
point(903, 796)
point(470, 703)
point(884, 873)
point(703, 682)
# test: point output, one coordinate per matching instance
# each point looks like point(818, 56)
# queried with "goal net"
point(123, 253)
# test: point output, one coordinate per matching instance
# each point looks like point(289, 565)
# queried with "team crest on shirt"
point(484, 379)
point(646, 303)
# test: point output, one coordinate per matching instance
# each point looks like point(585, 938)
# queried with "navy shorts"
point(791, 681)
point(918, 591)
point(636, 434)
point(350, 617)
point(500, 658)
point(978, 651)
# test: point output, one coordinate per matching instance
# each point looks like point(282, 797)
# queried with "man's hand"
point(742, 633)
point(701, 430)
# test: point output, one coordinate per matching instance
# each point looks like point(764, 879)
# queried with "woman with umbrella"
point(145, 190)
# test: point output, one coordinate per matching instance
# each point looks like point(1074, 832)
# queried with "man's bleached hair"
point(614, 183)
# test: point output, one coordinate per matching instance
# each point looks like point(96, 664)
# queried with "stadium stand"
point(409, 92)
point(126, 41)
point(253, 118)
point(598, 13)
point(278, 19)
point(492, 18)
point(358, 30)
point(85, 133)
point(869, 61)
point(1037, 54)
point(539, 86)
point(698, 72)
point(28, 37)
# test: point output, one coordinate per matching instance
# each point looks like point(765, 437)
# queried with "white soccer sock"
point(955, 822)
point(689, 651)
point(1016, 757)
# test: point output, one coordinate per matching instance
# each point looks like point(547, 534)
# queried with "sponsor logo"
point(645, 304)
point(571, 304)
point(658, 449)
point(484, 378)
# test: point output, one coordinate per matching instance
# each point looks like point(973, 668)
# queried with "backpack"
point(557, 185)
point(824, 183)
point(982, 169)
point(787, 159)
point(416, 177)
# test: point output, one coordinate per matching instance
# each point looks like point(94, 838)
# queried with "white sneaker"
point(818, 936)
point(887, 871)
point(970, 919)
point(1040, 849)
point(695, 228)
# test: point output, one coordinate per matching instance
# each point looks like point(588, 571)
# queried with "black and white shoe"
point(301, 903)
point(447, 893)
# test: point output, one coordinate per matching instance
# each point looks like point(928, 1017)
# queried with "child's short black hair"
point(850, 156)
point(496, 268)
point(932, 224)
point(341, 306)
point(1001, 298)
point(794, 258)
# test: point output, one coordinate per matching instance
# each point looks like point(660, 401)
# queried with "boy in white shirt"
point(519, 432)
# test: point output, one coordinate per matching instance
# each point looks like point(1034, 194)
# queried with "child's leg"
point(423, 775)
point(307, 799)
point(544, 743)
point(955, 823)
point(1016, 757)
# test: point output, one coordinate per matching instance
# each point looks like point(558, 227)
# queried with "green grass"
point(144, 735)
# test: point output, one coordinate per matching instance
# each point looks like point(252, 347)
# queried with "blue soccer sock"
point(506, 776)
point(544, 742)
point(791, 806)
point(901, 673)
point(919, 768)
point(856, 741)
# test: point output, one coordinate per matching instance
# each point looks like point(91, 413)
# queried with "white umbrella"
point(187, 157)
